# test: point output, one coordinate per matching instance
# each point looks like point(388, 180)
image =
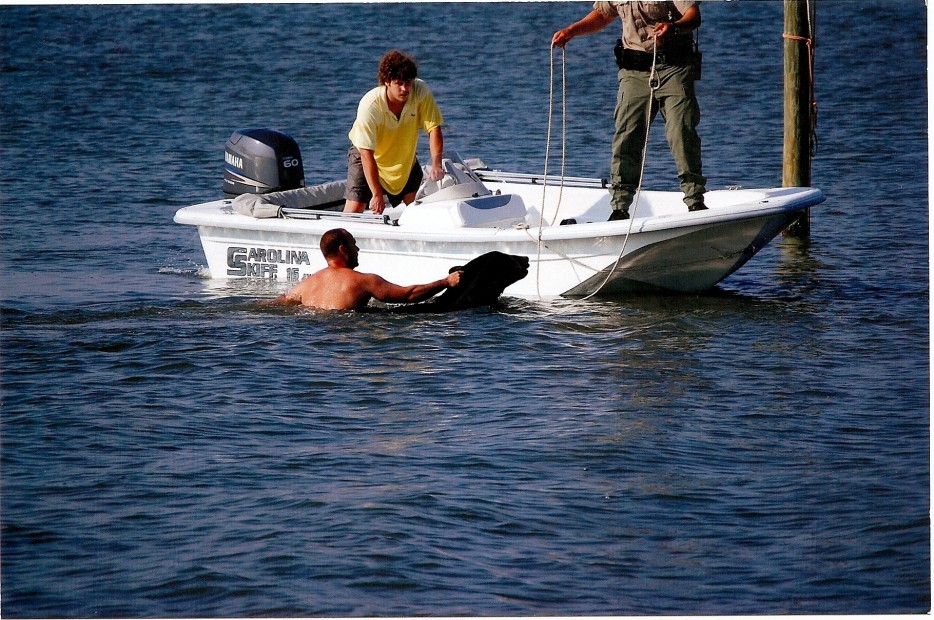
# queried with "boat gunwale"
point(776, 201)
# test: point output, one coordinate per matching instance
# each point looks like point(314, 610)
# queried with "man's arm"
point(595, 21)
point(292, 297)
point(691, 20)
point(394, 294)
point(436, 145)
point(285, 300)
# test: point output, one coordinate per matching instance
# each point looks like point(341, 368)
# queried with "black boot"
point(618, 214)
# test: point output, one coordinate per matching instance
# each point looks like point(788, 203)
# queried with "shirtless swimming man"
point(339, 287)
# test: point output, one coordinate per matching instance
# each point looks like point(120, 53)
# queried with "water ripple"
point(173, 447)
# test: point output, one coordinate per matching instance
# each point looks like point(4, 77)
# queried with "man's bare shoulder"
point(338, 288)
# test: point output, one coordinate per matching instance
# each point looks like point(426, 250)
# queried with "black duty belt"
point(634, 60)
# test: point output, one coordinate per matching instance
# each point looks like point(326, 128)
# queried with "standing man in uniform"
point(662, 30)
point(384, 138)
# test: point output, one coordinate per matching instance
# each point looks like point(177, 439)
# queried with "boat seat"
point(491, 211)
point(324, 196)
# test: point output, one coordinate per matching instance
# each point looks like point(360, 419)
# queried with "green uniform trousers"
point(675, 99)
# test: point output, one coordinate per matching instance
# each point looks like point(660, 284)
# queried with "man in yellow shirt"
point(385, 137)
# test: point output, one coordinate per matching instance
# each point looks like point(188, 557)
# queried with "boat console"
point(459, 200)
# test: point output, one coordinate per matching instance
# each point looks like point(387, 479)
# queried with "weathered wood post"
point(796, 165)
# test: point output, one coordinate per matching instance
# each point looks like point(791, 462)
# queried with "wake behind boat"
point(559, 224)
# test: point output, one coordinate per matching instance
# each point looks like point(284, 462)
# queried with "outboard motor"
point(259, 161)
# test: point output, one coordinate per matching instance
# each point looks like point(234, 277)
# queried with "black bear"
point(483, 280)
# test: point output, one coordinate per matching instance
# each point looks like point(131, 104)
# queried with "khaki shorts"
point(359, 191)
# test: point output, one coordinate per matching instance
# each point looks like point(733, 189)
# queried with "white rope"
point(564, 128)
point(654, 85)
point(564, 116)
point(560, 254)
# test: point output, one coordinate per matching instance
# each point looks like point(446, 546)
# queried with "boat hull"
point(691, 262)
point(665, 250)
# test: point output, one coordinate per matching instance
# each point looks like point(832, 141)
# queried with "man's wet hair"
point(332, 240)
point(396, 65)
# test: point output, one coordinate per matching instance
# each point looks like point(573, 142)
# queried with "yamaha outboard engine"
point(259, 161)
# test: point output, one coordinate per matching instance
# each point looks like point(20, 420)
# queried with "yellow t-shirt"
point(394, 140)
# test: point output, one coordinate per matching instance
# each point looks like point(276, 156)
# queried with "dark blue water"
point(172, 448)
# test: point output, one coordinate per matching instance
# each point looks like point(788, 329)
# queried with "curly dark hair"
point(396, 65)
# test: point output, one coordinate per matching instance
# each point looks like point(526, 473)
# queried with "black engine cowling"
point(259, 161)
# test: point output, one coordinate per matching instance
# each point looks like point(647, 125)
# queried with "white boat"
point(560, 224)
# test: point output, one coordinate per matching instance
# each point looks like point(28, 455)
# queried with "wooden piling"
point(796, 164)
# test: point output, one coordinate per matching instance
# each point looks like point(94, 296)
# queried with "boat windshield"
point(456, 158)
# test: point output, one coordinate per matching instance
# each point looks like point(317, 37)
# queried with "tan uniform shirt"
point(640, 18)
